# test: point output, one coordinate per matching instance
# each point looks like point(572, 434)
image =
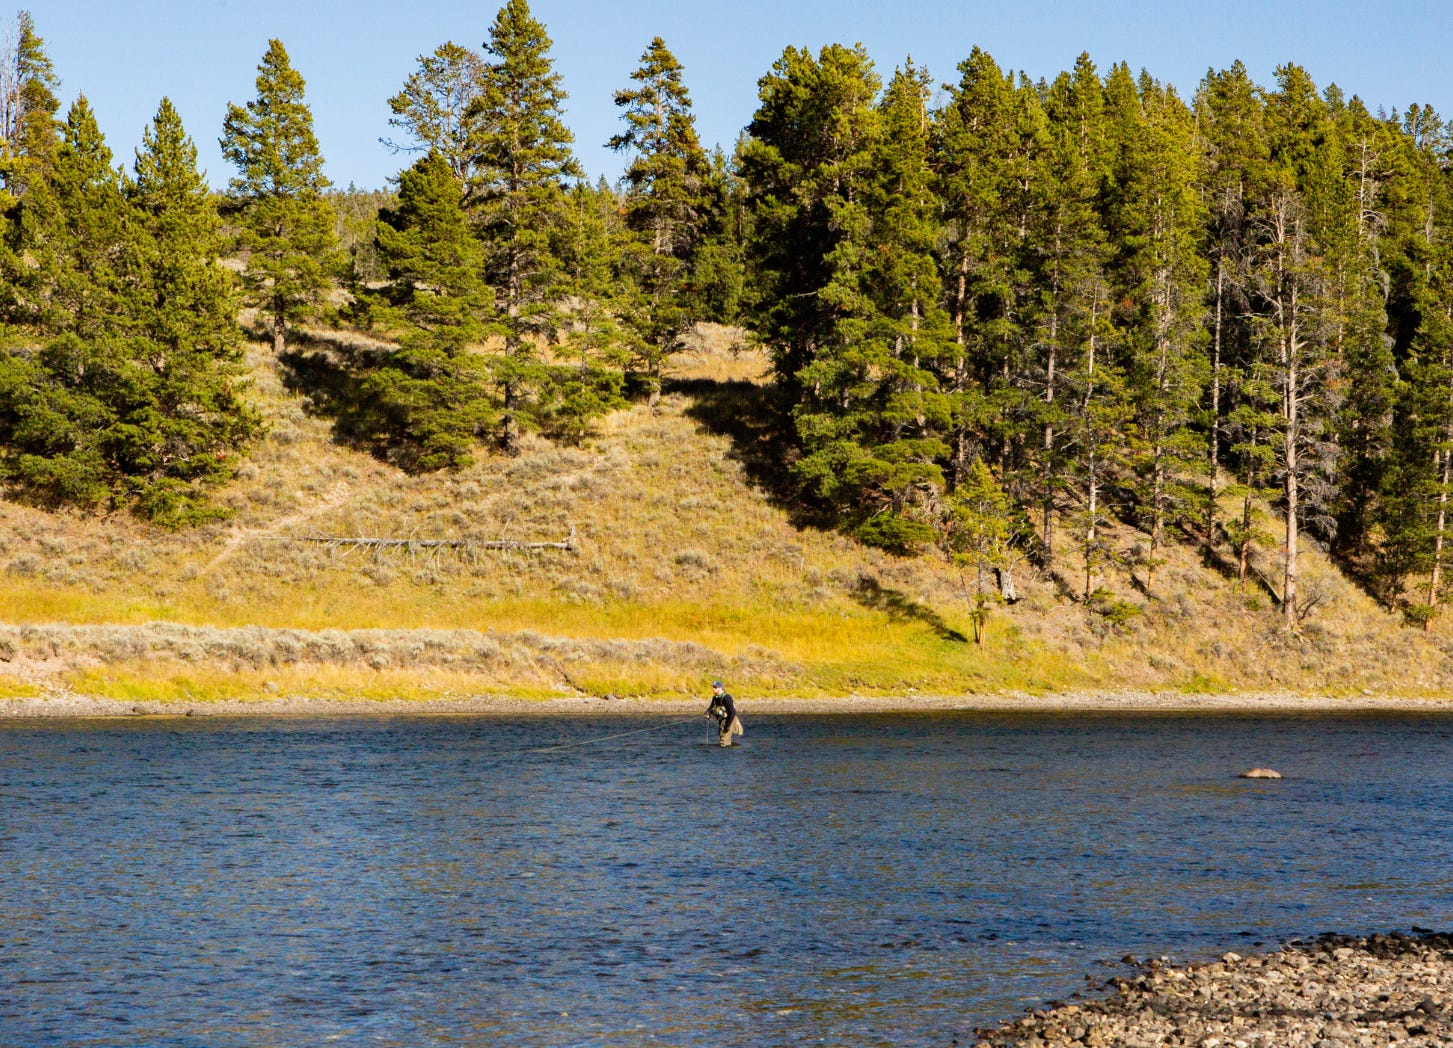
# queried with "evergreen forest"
point(1009, 320)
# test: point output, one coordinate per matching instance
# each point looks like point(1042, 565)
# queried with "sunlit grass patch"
point(165, 681)
point(25, 601)
point(11, 688)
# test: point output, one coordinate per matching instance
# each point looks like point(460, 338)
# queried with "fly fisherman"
point(724, 711)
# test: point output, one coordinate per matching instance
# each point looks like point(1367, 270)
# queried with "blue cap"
point(717, 684)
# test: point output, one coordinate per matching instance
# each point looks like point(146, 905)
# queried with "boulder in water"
point(1261, 773)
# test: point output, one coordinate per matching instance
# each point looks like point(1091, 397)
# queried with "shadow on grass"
point(325, 374)
point(1229, 569)
point(755, 419)
point(900, 607)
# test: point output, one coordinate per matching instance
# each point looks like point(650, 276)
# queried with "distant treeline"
point(996, 325)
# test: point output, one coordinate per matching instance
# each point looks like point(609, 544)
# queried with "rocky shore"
point(1329, 992)
point(68, 704)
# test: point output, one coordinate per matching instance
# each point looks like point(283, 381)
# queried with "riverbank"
point(70, 704)
point(1332, 991)
point(657, 595)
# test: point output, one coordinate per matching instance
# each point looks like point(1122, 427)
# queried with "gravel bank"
point(71, 704)
point(1330, 992)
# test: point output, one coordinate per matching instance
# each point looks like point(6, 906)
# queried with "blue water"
point(834, 880)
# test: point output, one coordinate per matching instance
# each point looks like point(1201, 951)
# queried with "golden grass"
point(177, 682)
point(18, 689)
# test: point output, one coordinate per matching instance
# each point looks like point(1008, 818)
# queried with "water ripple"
point(845, 880)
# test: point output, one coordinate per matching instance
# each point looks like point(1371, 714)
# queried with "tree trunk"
point(1243, 558)
point(1049, 449)
point(1289, 452)
point(1092, 486)
point(1445, 462)
point(1213, 474)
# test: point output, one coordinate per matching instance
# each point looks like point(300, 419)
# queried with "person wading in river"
point(724, 711)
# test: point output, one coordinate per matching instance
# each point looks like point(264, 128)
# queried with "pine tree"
point(70, 238)
point(1232, 136)
point(978, 533)
point(190, 302)
point(1290, 283)
point(1156, 219)
point(872, 427)
point(1070, 315)
point(185, 305)
point(805, 164)
point(1350, 226)
point(134, 398)
point(288, 227)
point(438, 107)
point(717, 282)
point(29, 131)
point(425, 404)
point(1414, 503)
point(59, 422)
point(596, 343)
point(666, 201)
point(982, 157)
point(522, 164)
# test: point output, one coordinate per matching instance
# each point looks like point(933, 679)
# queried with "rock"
point(1261, 773)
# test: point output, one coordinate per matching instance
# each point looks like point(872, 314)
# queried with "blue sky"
point(355, 55)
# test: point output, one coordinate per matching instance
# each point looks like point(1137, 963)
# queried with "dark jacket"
point(722, 709)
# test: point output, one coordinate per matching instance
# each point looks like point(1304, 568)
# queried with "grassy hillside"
point(685, 568)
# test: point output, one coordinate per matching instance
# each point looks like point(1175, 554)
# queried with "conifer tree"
point(71, 238)
point(190, 301)
point(717, 281)
point(134, 397)
point(522, 164)
point(1290, 284)
point(596, 340)
point(1233, 140)
point(871, 429)
point(982, 159)
point(438, 107)
point(1156, 218)
point(184, 303)
point(1070, 315)
point(428, 401)
point(978, 533)
point(1350, 227)
point(1414, 504)
point(57, 403)
point(29, 131)
point(805, 163)
point(287, 222)
point(666, 201)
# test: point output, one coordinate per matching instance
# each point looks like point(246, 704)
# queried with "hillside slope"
point(684, 569)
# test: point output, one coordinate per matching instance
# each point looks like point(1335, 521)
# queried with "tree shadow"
point(755, 419)
point(1229, 569)
point(900, 607)
point(324, 373)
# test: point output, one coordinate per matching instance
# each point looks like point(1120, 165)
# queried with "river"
point(850, 880)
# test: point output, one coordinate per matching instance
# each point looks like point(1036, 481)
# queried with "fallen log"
point(366, 542)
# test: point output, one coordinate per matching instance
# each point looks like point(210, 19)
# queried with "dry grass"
point(685, 570)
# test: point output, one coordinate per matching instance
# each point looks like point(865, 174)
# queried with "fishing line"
point(603, 738)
